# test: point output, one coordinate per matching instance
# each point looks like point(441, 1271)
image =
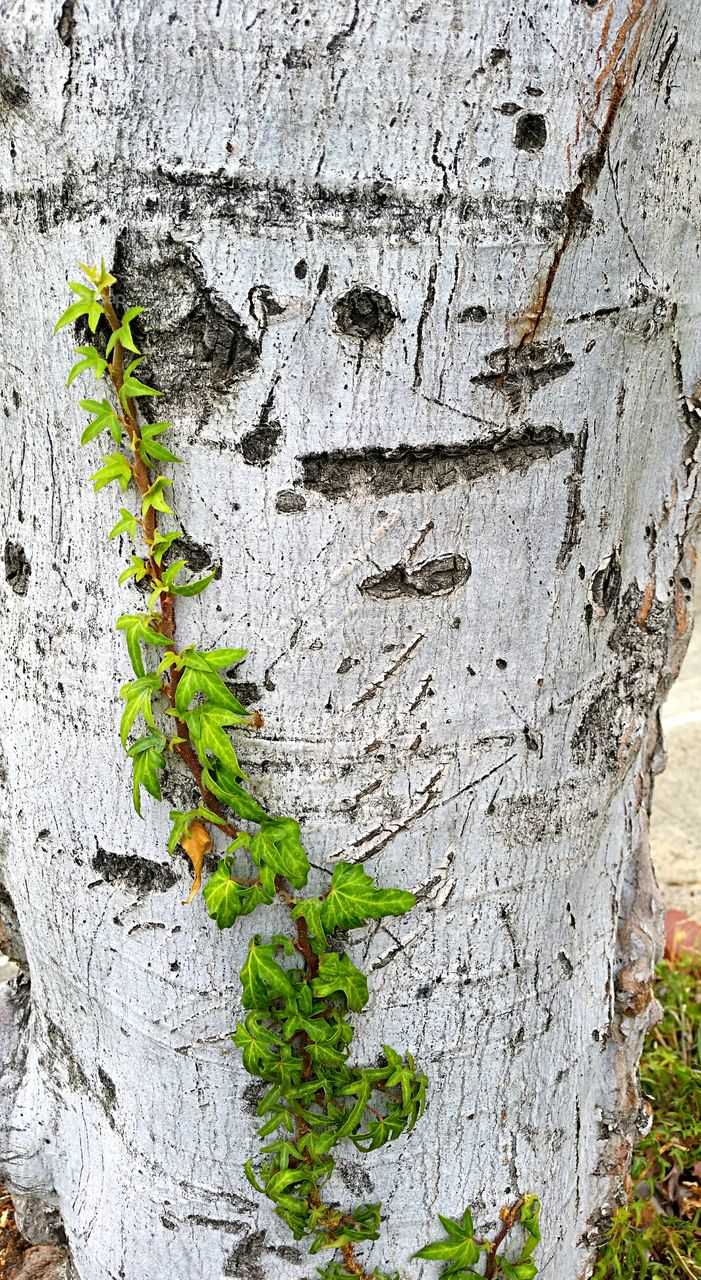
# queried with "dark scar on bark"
point(439, 577)
point(430, 468)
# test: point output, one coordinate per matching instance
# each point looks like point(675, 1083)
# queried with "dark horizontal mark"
point(516, 372)
point(437, 577)
point(593, 315)
point(262, 203)
point(408, 468)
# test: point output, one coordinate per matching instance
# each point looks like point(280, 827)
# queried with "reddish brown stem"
point(509, 1220)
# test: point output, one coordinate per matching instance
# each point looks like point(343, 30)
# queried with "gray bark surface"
point(422, 286)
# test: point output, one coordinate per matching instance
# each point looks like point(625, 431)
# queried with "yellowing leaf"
point(197, 843)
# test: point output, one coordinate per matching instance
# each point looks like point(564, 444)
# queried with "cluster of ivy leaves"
point(298, 991)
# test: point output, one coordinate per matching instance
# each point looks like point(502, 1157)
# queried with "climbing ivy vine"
point(298, 990)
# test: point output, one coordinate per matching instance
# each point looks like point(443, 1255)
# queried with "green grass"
point(657, 1236)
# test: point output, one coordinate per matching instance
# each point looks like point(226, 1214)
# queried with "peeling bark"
point(421, 293)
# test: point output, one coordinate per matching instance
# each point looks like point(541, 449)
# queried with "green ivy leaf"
point(218, 659)
point(140, 628)
point(137, 695)
point(115, 467)
point(227, 899)
point(460, 1249)
point(150, 449)
point(195, 680)
point(310, 909)
point(338, 973)
point(351, 901)
point(132, 388)
point(206, 724)
point(105, 419)
point(262, 977)
point(127, 523)
point(99, 276)
point(75, 311)
point(147, 755)
point(137, 569)
point(277, 845)
point(154, 497)
point(222, 784)
point(124, 334)
point(162, 543)
point(92, 361)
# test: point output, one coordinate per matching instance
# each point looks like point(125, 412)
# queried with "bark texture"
point(422, 285)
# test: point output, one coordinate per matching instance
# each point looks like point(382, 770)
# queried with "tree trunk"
point(420, 282)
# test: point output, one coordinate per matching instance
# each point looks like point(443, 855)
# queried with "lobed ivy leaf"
point(89, 305)
point(150, 450)
point(154, 497)
point(92, 362)
point(338, 973)
point(123, 334)
point(137, 695)
point(262, 978)
point(197, 677)
point(147, 756)
point(222, 784)
point(138, 569)
point(162, 543)
point(99, 276)
point(206, 725)
point(351, 901)
point(105, 419)
point(218, 659)
point(114, 467)
point(127, 523)
point(132, 388)
point(140, 628)
point(277, 845)
point(227, 899)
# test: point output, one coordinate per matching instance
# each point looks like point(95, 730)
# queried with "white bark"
point(483, 729)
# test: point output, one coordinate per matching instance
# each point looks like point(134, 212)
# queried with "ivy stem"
point(509, 1219)
point(185, 749)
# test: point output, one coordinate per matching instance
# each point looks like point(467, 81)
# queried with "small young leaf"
point(105, 419)
point(162, 543)
point(147, 755)
point(123, 334)
point(137, 695)
point(131, 387)
point(137, 569)
point(206, 724)
point(115, 467)
point(92, 360)
point(150, 449)
point(127, 523)
point(99, 276)
point(278, 846)
point(154, 497)
point(140, 629)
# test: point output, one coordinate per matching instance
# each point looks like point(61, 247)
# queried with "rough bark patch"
point(342, 473)
point(516, 372)
point(437, 577)
point(17, 568)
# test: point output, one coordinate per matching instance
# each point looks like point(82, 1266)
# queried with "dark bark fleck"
point(17, 568)
point(364, 313)
point(517, 372)
point(531, 132)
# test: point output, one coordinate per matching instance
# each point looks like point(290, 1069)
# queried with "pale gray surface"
point(513, 751)
point(675, 828)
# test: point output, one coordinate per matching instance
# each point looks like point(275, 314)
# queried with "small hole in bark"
point(685, 584)
point(301, 269)
point(509, 108)
point(582, 572)
point(364, 313)
point(531, 132)
point(502, 664)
